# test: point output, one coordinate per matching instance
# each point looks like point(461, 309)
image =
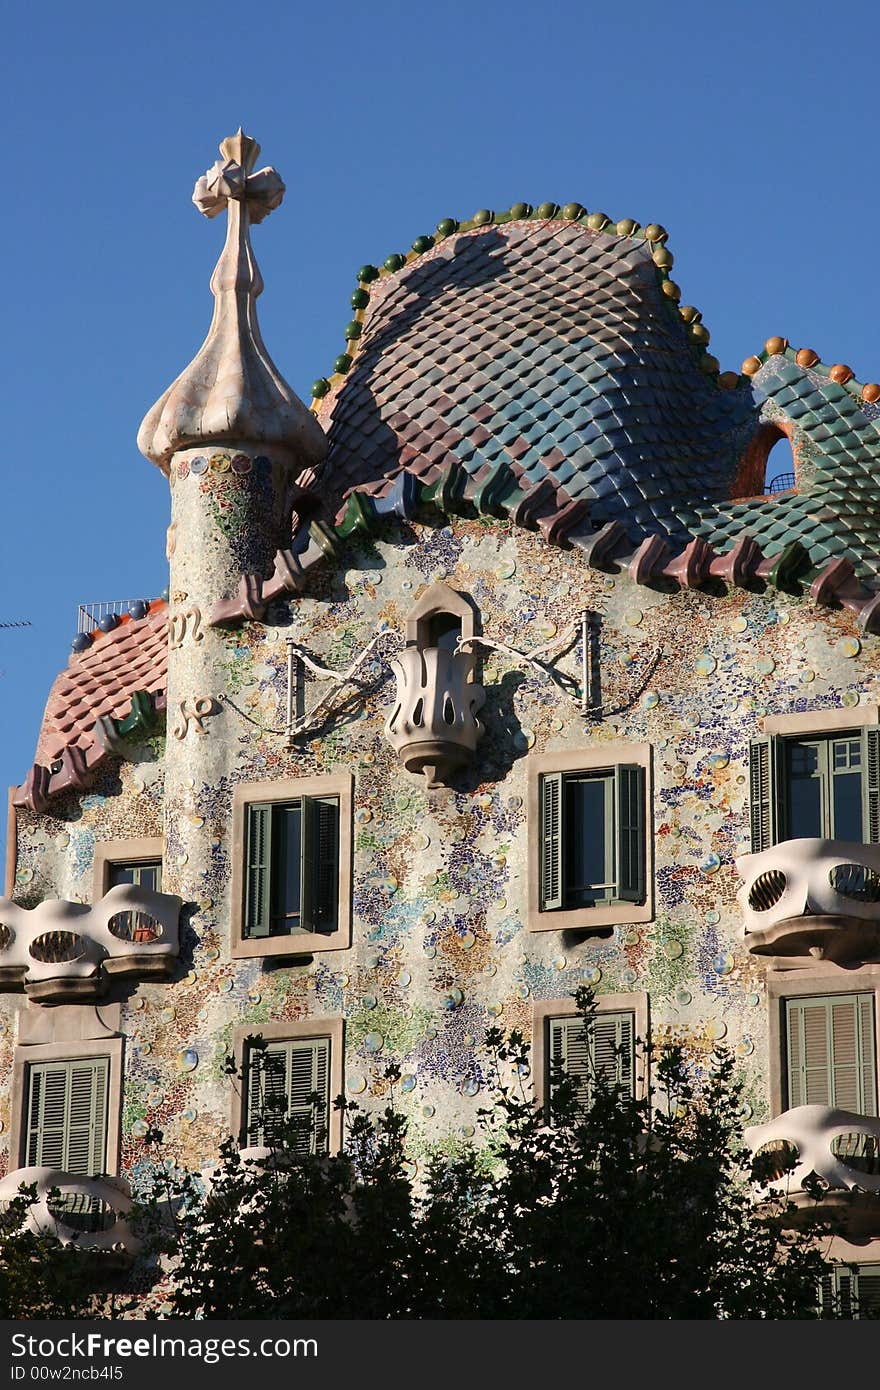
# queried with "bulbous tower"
point(238, 447)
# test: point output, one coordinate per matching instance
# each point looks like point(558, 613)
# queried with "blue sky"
point(749, 131)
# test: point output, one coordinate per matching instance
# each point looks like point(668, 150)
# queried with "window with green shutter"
point(292, 868)
point(67, 1115)
point(825, 787)
point(830, 1052)
point(283, 1081)
point(603, 1045)
point(592, 838)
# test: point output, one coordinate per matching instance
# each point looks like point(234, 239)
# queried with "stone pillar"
point(229, 514)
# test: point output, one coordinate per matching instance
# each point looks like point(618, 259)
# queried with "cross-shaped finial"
point(232, 392)
point(231, 178)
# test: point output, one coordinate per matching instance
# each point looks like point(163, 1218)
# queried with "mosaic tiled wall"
point(441, 949)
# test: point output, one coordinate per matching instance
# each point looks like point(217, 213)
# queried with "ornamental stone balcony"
point(825, 1162)
point(433, 726)
point(812, 898)
point(61, 951)
point(90, 1213)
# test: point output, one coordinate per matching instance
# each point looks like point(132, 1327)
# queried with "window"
point(589, 863)
point(135, 860)
point(66, 1080)
point(67, 1115)
point(853, 1290)
point(603, 1046)
point(281, 1084)
point(292, 867)
point(300, 1057)
point(613, 1045)
point(444, 631)
point(830, 1052)
point(291, 879)
point(592, 838)
point(822, 786)
point(439, 617)
point(146, 873)
point(135, 926)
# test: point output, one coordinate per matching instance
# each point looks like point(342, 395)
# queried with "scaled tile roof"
point(835, 439)
point(112, 688)
point(554, 347)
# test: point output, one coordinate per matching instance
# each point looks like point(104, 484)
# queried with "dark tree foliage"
point(607, 1207)
point(40, 1277)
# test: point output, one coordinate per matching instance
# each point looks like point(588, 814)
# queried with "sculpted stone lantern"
point(433, 726)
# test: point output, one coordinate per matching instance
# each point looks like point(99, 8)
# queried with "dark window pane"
point(804, 759)
point(847, 807)
point(805, 785)
point(444, 630)
point(587, 832)
point(287, 886)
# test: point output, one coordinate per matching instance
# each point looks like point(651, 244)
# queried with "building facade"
point(495, 672)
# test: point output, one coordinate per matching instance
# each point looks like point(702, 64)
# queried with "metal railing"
point(781, 483)
point(89, 615)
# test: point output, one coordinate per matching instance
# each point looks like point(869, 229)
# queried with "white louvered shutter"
point(603, 1046)
point(67, 1115)
point(830, 1045)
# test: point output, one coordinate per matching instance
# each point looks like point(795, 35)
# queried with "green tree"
point(40, 1277)
point(601, 1206)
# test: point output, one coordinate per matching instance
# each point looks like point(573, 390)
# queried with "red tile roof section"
point(97, 689)
point(102, 680)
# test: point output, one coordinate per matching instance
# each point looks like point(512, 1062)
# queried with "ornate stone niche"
point(433, 726)
point(814, 899)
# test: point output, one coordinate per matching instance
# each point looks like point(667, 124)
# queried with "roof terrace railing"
point(781, 483)
point(89, 615)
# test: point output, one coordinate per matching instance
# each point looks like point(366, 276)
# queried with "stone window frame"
point(801, 984)
point(637, 1002)
point(287, 1031)
point(290, 789)
point(594, 758)
point(821, 721)
point(67, 1051)
point(143, 849)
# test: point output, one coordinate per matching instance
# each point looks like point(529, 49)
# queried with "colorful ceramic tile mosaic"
point(529, 449)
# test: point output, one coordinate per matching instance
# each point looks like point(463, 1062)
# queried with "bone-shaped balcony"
point(433, 726)
point(61, 951)
point(826, 1162)
point(814, 898)
point(91, 1213)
